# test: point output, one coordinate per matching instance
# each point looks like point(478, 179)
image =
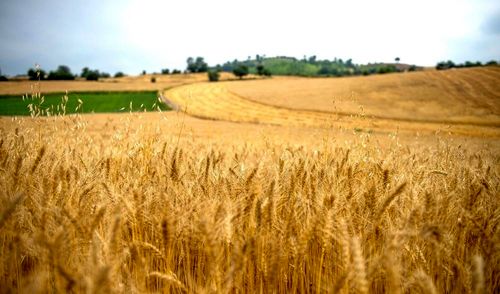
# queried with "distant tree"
point(397, 59)
point(119, 74)
point(324, 70)
point(240, 71)
point(85, 72)
point(176, 71)
point(213, 75)
point(144, 72)
point(34, 75)
point(92, 75)
point(260, 69)
point(190, 64)
point(492, 62)
point(469, 64)
point(196, 65)
point(266, 72)
point(312, 59)
point(2, 77)
point(202, 65)
point(62, 72)
point(165, 71)
point(89, 75)
point(412, 68)
point(445, 65)
point(349, 63)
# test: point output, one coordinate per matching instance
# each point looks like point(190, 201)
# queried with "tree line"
point(313, 67)
point(443, 65)
point(260, 65)
point(63, 73)
point(240, 70)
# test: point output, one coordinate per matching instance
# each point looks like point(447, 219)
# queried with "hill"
point(313, 67)
point(463, 95)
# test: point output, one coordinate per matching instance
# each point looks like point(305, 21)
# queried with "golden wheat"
point(142, 211)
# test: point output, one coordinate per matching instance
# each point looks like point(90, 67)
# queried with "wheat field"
point(171, 203)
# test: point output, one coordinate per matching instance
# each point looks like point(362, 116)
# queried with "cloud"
point(132, 35)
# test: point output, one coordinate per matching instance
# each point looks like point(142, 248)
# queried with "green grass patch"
point(92, 102)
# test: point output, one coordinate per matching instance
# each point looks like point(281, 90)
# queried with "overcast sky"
point(132, 35)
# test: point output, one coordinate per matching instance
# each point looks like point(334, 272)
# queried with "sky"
point(136, 35)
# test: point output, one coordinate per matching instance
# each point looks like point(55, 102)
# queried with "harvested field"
point(469, 96)
point(215, 101)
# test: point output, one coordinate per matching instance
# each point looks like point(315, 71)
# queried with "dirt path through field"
point(215, 102)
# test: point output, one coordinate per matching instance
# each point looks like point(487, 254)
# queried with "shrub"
point(240, 71)
point(382, 70)
point(153, 79)
point(3, 79)
point(165, 71)
point(213, 75)
point(119, 74)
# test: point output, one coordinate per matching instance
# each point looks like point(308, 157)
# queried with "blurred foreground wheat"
point(143, 212)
